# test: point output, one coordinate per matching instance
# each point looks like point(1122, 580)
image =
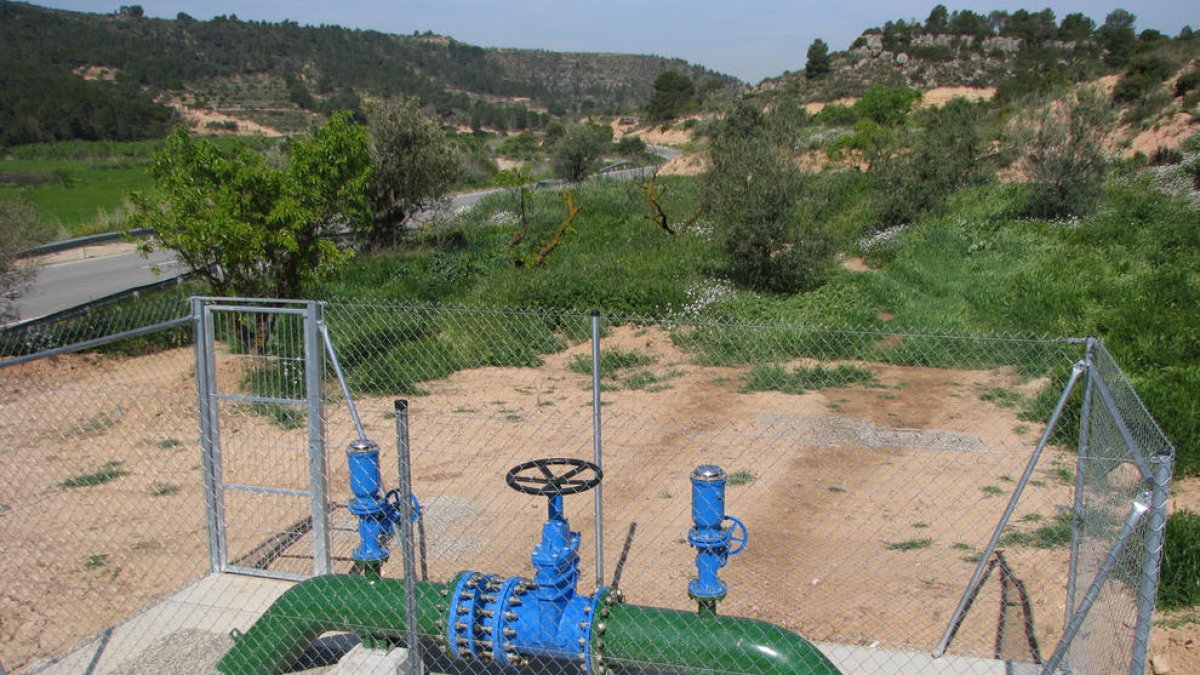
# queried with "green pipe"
point(638, 636)
point(622, 635)
point(371, 608)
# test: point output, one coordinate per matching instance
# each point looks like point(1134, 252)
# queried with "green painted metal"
point(622, 635)
point(651, 637)
point(371, 608)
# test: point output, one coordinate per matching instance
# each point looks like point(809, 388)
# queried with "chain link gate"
point(260, 377)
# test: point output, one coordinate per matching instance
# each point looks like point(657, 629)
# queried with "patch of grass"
point(163, 489)
point(1032, 518)
point(462, 409)
point(4, 508)
point(959, 546)
point(1179, 584)
point(1002, 397)
point(992, 490)
point(107, 473)
point(741, 477)
point(1053, 534)
point(95, 561)
point(611, 361)
point(920, 526)
point(836, 489)
point(910, 544)
point(1006, 479)
point(284, 416)
point(169, 443)
point(804, 378)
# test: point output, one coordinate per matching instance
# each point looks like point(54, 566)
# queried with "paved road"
point(69, 283)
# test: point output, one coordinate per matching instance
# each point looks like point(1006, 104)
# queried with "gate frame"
point(203, 308)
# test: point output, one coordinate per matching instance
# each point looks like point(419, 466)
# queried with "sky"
point(751, 39)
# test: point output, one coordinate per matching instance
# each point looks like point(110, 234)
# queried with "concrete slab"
point(363, 661)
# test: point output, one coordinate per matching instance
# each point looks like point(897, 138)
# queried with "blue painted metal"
point(709, 535)
point(374, 513)
point(508, 619)
point(377, 513)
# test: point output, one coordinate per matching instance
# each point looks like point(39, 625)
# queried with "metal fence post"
point(597, 447)
point(1156, 530)
point(404, 487)
point(977, 578)
point(1140, 506)
point(314, 379)
point(210, 455)
point(1077, 520)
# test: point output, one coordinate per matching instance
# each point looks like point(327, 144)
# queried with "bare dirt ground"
point(866, 504)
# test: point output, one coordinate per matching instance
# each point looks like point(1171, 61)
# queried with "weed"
point(4, 508)
point(285, 417)
point(910, 544)
point(1021, 429)
point(1006, 479)
point(888, 397)
point(664, 495)
point(741, 477)
point(462, 410)
point(836, 489)
point(1063, 474)
point(169, 443)
point(95, 561)
point(109, 472)
point(992, 490)
point(1032, 518)
point(959, 546)
point(920, 526)
point(719, 381)
point(640, 380)
point(803, 378)
point(163, 489)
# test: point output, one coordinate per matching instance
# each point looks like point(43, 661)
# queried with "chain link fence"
point(871, 470)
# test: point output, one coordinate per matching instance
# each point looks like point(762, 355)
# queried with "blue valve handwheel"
point(739, 535)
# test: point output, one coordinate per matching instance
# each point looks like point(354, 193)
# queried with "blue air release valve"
point(505, 620)
point(713, 541)
point(377, 512)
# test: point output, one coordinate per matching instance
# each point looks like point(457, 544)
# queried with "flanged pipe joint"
point(713, 541)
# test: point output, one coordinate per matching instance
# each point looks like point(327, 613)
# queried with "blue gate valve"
point(713, 541)
point(377, 512)
point(506, 620)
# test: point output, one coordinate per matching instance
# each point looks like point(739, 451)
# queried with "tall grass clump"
point(804, 378)
point(1179, 583)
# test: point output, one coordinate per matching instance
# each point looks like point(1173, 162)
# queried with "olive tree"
point(750, 193)
point(413, 166)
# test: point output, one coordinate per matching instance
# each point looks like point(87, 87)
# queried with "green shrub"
point(1067, 163)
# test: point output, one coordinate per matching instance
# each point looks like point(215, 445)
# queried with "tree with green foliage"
point(947, 153)
point(1066, 162)
point(1076, 27)
point(1117, 37)
point(573, 156)
point(750, 193)
point(249, 228)
point(21, 227)
point(674, 94)
point(818, 62)
point(413, 165)
point(938, 20)
point(887, 106)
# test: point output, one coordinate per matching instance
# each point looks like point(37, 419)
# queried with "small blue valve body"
point(710, 537)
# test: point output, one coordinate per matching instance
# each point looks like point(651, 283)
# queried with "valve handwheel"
point(739, 536)
point(546, 477)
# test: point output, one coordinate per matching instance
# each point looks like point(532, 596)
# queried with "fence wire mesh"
point(870, 468)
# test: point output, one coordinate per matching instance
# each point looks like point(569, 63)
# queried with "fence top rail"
point(678, 321)
point(260, 301)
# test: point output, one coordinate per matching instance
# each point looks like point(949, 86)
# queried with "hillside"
point(262, 70)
